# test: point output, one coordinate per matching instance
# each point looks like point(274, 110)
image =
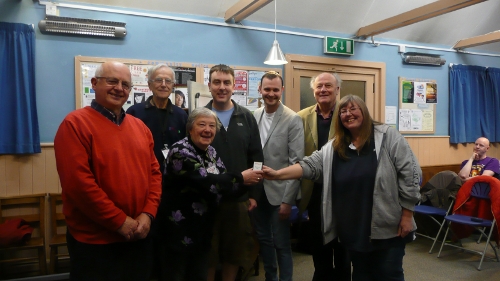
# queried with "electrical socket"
point(51, 10)
point(402, 48)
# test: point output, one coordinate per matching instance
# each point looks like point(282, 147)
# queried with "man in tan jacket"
point(318, 129)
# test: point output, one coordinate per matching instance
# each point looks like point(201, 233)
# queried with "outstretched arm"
point(288, 173)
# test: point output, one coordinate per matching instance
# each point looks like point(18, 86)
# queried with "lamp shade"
point(275, 56)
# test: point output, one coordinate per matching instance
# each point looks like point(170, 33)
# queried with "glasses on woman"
point(160, 81)
point(111, 81)
point(351, 110)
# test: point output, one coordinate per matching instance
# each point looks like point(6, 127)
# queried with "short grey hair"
point(99, 70)
point(153, 69)
point(201, 112)
point(335, 75)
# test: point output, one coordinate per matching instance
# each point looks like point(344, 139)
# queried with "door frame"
point(303, 62)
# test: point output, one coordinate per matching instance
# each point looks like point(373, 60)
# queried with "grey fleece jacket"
point(396, 183)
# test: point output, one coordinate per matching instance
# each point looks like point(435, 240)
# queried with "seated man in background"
point(479, 163)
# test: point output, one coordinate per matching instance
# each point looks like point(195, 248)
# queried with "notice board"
point(417, 106)
point(245, 88)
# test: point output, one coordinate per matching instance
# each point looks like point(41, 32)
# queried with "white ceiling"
point(347, 16)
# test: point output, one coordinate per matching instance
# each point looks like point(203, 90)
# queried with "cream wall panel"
point(3, 167)
point(12, 176)
point(51, 176)
point(431, 151)
point(25, 174)
point(37, 173)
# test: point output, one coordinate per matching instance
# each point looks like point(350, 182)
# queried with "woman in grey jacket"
point(371, 185)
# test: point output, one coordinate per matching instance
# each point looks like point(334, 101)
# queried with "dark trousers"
point(324, 259)
point(326, 256)
point(184, 265)
point(108, 262)
point(379, 265)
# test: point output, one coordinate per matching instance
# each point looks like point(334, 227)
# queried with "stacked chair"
point(438, 196)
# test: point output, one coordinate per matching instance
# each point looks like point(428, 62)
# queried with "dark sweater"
point(168, 125)
point(239, 147)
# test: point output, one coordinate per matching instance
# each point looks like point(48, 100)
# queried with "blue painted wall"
point(177, 41)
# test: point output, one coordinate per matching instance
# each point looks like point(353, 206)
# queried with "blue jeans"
point(274, 237)
point(378, 265)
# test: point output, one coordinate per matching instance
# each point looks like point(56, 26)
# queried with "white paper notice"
point(390, 115)
point(405, 120)
point(427, 120)
point(139, 74)
point(416, 120)
point(420, 89)
point(240, 99)
point(253, 83)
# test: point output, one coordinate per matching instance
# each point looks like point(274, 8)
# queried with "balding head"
point(481, 146)
point(112, 84)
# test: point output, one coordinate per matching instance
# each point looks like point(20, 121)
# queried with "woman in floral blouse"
point(195, 181)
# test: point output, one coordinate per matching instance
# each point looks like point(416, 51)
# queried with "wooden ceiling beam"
point(488, 38)
point(243, 9)
point(428, 11)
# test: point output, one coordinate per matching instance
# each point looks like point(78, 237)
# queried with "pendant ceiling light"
point(275, 56)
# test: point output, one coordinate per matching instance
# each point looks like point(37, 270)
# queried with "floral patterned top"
point(194, 182)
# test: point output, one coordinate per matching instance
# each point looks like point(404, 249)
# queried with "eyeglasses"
point(111, 81)
point(160, 81)
point(344, 111)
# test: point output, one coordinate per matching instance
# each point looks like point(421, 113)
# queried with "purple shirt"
point(479, 166)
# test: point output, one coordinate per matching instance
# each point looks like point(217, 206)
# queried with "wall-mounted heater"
point(421, 58)
point(66, 25)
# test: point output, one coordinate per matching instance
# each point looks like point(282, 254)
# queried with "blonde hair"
point(342, 136)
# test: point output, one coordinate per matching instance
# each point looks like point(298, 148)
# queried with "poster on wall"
point(139, 74)
point(140, 93)
point(419, 92)
point(253, 83)
point(183, 75)
point(179, 97)
point(87, 72)
point(241, 81)
point(417, 106)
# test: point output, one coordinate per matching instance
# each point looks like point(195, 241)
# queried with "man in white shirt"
point(282, 138)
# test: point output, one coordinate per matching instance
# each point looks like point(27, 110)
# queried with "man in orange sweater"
point(111, 183)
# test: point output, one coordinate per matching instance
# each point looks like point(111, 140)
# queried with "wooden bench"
point(30, 208)
point(57, 232)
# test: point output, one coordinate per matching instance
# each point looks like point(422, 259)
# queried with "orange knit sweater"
point(107, 172)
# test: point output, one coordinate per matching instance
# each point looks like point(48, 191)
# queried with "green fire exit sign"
point(339, 46)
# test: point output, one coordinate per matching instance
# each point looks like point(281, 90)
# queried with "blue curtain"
point(470, 105)
point(19, 133)
point(493, 87)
